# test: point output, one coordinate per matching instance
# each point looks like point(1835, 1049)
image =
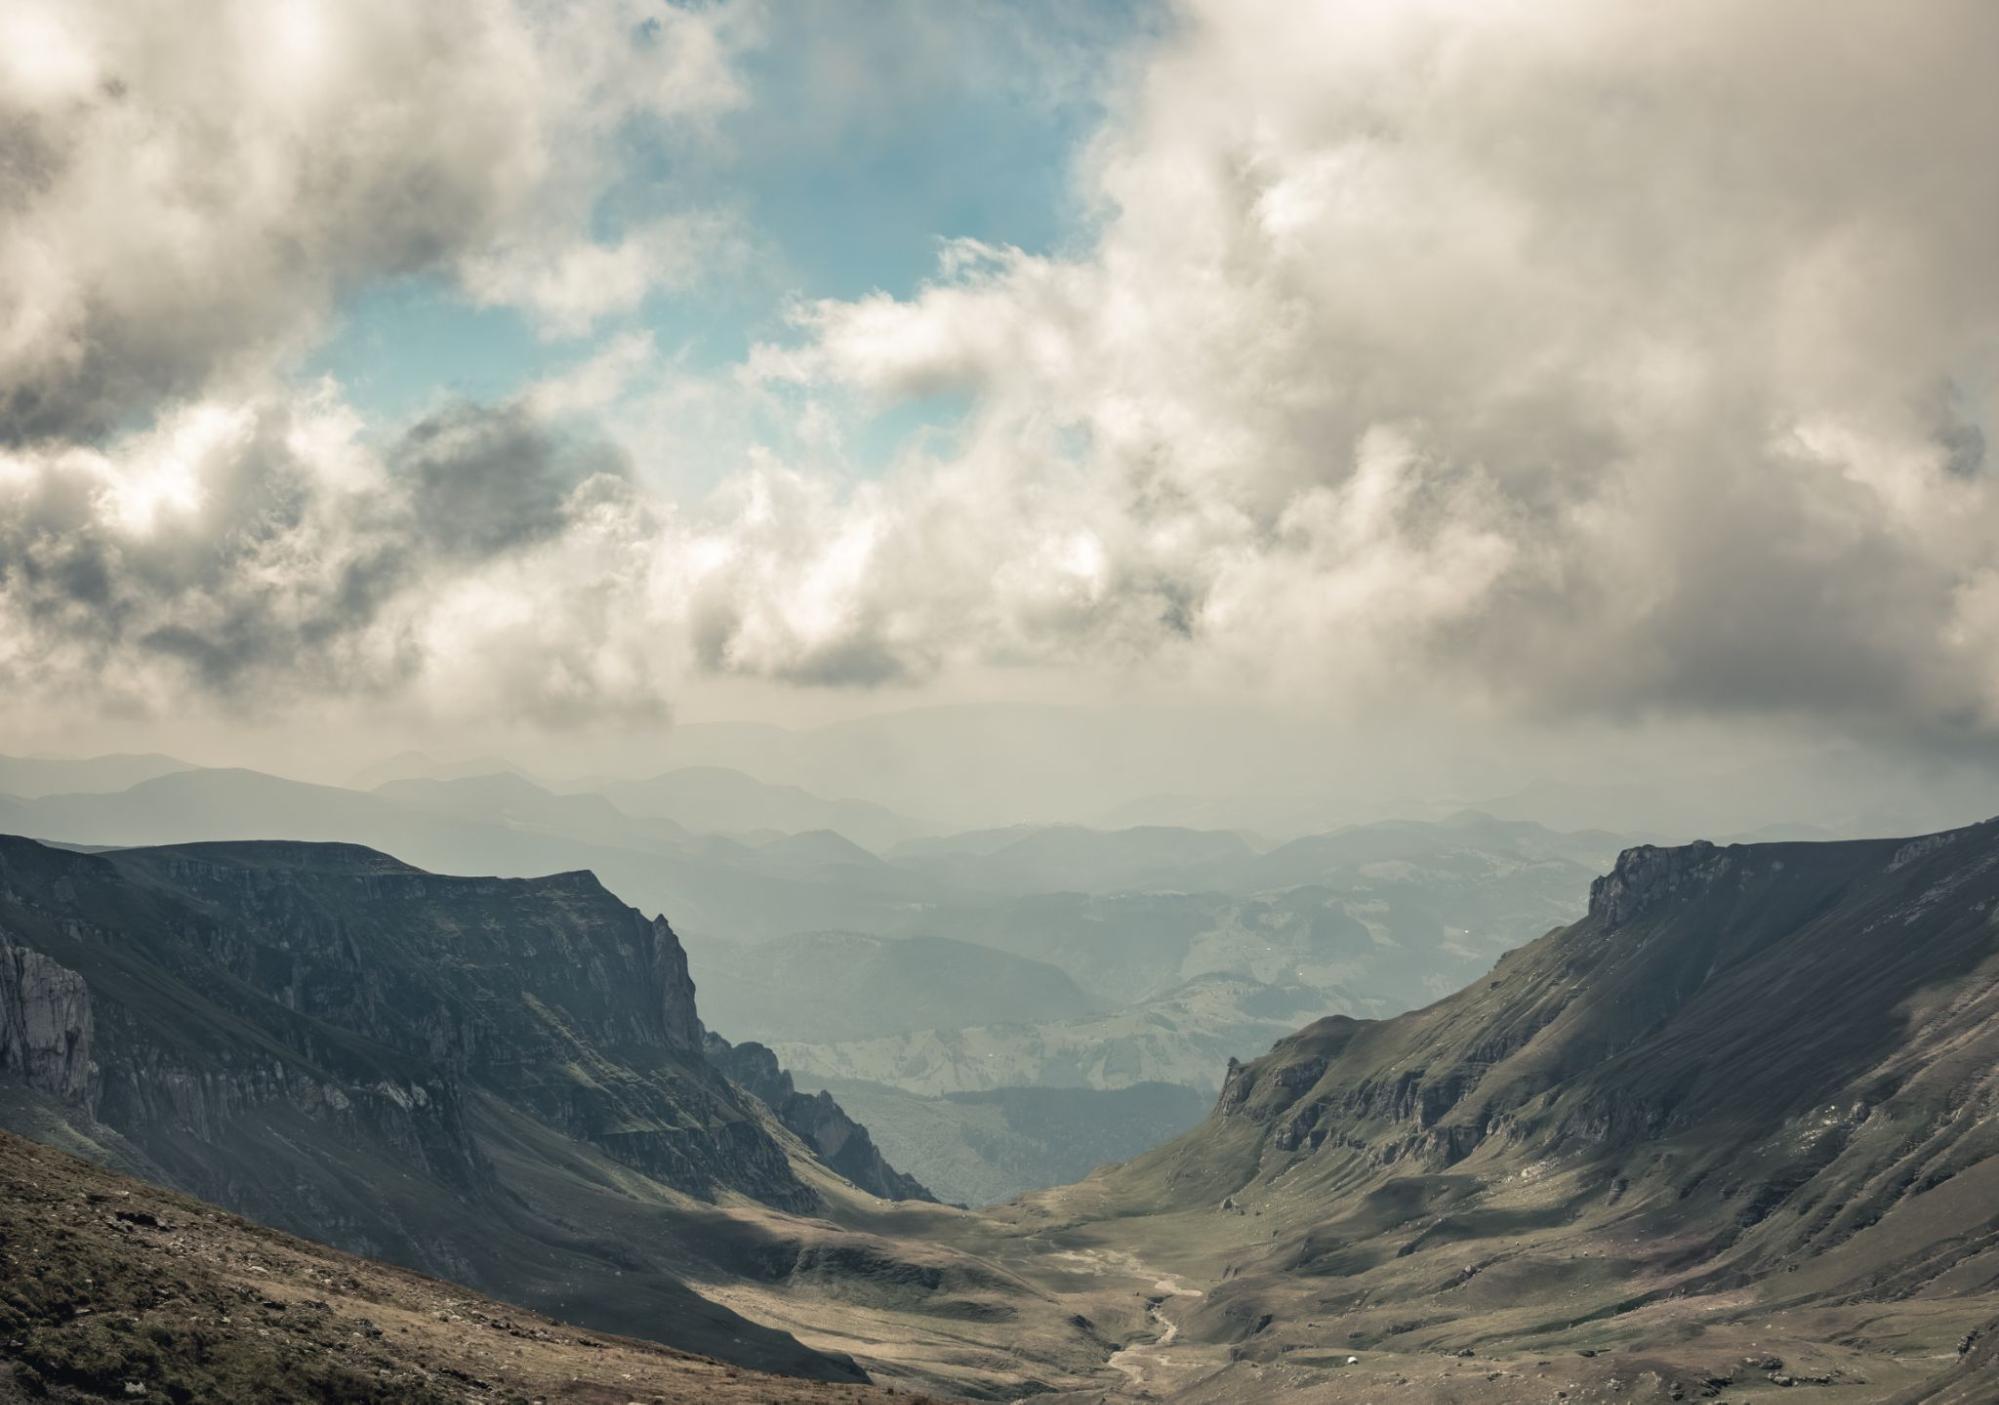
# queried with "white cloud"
point(189, 188)
point(570, 286)
point(1678, 315)
point(1575, 357)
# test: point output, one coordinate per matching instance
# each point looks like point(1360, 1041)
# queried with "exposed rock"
point(1761, 1054)
point(815, 1119)
point(406, 1065)
point(45, 1025)
point(1649, 875)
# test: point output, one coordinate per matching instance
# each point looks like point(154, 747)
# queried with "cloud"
point(485, 481)
point(1585, 359)
point(1656, 309)
point(190, 190)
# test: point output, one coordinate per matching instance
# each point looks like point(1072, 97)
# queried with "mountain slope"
point(114, 1289)
point(446, 1072)
point(1737, 1127)
point(815, 1119)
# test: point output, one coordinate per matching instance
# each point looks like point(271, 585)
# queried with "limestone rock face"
point(1647, 876)
point(678, 1020)
point(818, 1120)
point(45, 1025)
point(434, 1070)
point(248, 1000)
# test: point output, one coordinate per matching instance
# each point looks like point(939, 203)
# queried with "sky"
point(555, 374)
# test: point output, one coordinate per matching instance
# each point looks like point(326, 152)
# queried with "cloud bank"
point(1565, 359)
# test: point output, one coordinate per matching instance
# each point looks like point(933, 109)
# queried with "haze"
point(1402, 407)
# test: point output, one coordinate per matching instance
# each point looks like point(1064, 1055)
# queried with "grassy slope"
point(1743, 1112)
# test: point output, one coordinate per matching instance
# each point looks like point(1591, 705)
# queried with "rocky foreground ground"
point(111, 1289)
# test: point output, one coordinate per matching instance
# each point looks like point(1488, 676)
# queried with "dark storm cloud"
point(484, 480)
point(269, 575)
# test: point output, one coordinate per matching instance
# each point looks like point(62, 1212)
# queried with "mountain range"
point(1732, 1132)
point(1181, 947)
point(441, 1072)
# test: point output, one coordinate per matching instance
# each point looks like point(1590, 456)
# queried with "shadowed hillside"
point(480, 1078)
point(111, 1289)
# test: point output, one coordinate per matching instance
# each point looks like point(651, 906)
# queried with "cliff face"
point(549, 993)
point(1762, 1054)
point(1648, 876)
point(403, 1064)
point(45, 1026)
point(815, 1119)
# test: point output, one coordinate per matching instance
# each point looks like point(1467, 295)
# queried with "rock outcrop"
point(428, 1069)
point(45, 1026)
point(1812, 1029)
point(815, 1119)
point(1649, 875)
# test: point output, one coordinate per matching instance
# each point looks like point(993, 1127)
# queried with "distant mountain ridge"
point(725, 800)
point(34, 776)
point(846, 985)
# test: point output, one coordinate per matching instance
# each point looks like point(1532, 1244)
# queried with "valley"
point(1017, 702)
point(1729, 1132)
point(1033, 956)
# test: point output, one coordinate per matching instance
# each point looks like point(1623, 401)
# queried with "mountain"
point(474, 1077)
point(417, 765)
point(815, 1119)
point(1070, 858)
point(511, 799)
point(824, 986)
point(812, 851)
point(718, 799)
point(978, 1148)
point(1736, 1128)
point(111, 1288)
point(1184, 1035)
point(32, 776)
point(713, 886)
point(1468, 844)
point(1375, 943)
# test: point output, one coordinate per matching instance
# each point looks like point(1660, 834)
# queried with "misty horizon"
point(1093, 700)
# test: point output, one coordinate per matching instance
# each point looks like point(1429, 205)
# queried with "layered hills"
point(1733, 1133)
point(1034, 956)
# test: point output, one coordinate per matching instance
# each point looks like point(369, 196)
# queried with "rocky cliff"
point(815, 1119)
point(403, 1064)
point(1763, 1070)
point(45, 1026)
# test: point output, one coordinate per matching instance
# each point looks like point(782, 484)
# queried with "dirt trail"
point(1152, 1367)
